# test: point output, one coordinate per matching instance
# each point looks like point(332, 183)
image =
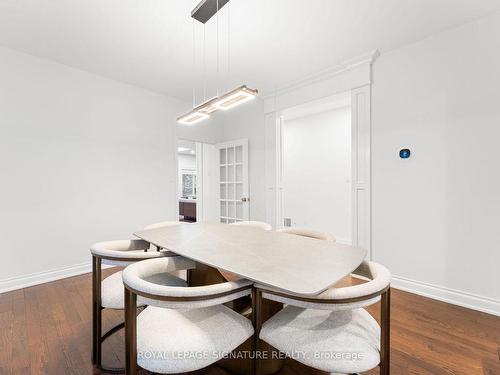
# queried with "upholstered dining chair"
point(188, 320)
point(254, 224)
point(108, 293)
point(308, 233)
point(332, 332)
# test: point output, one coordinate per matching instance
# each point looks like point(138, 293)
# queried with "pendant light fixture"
point(202, 13)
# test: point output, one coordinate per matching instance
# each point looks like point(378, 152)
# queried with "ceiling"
point(272, 42)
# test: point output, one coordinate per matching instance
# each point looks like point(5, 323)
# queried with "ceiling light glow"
point(192, 117)
point(229, 100)
point(235, 97)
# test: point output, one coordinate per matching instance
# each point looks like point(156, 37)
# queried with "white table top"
point(289, 262)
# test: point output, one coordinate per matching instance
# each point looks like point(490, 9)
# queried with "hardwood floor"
point(45, 329)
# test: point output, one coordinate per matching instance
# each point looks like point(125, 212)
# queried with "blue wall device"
point(404, 153)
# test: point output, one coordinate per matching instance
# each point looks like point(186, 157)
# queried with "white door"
point(233, 180)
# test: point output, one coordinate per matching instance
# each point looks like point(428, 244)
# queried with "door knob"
point(245, 199)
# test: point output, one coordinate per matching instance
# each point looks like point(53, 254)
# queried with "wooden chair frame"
point(131, 318)
point(97, 336)
point(385, 319)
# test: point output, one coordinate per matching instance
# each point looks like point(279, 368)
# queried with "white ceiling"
point(273, 42)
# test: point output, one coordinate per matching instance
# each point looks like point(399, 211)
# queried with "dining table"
point(289, 263)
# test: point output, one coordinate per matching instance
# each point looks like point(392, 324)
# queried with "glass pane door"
point(233, 181)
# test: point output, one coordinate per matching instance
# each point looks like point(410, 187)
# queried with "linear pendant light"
point(192, 118)
point(203, 12)
point(229, 100)
point(235, 97)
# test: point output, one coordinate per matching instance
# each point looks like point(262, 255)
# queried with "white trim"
point(24, 281)
point(199, 182)
point(175, 202)
point(340, 78)
point(329, 103)
point(354, 76)
point(452, 296)
point(361, 167)
point(367, 58)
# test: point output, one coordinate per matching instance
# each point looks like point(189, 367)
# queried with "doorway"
point(187, 184)
point(196, 181)
point(317, 166)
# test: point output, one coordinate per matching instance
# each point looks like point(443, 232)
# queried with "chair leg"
point(257, 323)
point(130, 333)
point(96, 311)
point(97, 336)
point(385, 344)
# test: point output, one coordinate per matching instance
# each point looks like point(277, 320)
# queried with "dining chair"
point(108, 293)
point(254, 224)
point(332, 332)
point(308, 233)
point(162, 224)
point(192, 321)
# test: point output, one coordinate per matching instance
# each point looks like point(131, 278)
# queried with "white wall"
point(436, 215)
point(82, 159)
point(185, 163)
point(317, 172)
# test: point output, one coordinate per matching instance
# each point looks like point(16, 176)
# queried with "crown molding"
point(365, 59)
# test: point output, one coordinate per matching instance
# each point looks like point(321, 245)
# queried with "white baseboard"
point(455, 297)
point(25, 281)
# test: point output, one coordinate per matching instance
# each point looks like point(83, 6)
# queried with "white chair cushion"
point(112, 288)
point(308, 233)
point(254, 224)
point(380, 279)
point(332, 341)
point(135, 256)
point(177, 341)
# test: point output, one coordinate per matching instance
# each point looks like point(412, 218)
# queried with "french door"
point(233, 181)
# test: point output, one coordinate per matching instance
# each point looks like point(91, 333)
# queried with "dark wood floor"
point(45, 329)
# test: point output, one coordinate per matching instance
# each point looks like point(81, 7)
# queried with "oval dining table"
point(292, 264)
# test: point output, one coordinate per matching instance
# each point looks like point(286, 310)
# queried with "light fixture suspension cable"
point(204, 67)
point(203, 109)
point(228, 46)
point(194, 65)
point(217, 75)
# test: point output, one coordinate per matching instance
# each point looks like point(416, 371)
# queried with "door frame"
point(360, 167)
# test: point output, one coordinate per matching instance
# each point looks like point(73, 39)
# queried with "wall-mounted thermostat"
point(404, 153)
